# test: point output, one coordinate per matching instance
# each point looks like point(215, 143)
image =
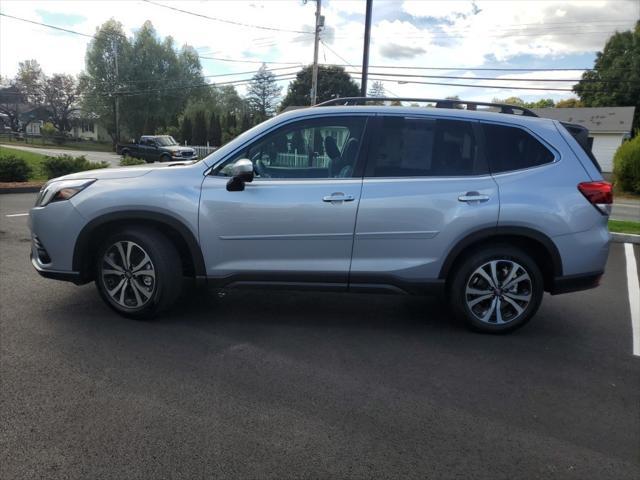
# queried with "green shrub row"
point(626, 165)
point(16, 169)
point(127, 161)
point(65, 164)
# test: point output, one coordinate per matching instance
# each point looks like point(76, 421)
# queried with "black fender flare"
point(500, 231)
point(83, 241)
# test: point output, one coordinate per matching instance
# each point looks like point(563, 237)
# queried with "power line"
point(503, 87)
point(47, 25)
point(232, 22)
point(234, 60)
point(452, 77)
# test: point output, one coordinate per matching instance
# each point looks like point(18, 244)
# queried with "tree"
point(21, 94)
point(332, 82)
point(377, 89)
point(186, 130)
point(154, 80)
point(101, 81)
point(615, 78)
point(60, 95)
point(263, 93)
point(569, 103)
point(199, 135)
point(215, 131)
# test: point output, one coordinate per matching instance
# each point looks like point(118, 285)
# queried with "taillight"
point(599, 194)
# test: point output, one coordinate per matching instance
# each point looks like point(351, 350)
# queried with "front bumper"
point(55, 274)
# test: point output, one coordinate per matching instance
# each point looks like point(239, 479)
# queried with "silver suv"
point(484, 203)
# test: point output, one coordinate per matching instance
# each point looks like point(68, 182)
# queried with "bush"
point(626, 165)
point(14, 169)
point(126, 161)
point(54, 167)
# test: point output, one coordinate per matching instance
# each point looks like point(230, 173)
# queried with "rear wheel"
point(138, 272)
point(496, 289)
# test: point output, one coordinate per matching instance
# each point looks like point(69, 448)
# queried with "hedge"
point(65, 164)
point(626, 165)
point(127, 161)
point(14, 169)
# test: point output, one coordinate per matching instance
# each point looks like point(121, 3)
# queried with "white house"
point(608, 127)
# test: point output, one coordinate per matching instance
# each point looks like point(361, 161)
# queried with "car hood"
point(122, 172)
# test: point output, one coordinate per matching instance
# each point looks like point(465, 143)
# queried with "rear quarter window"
point(512, 148)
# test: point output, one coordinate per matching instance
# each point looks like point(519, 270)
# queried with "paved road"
point(292, 385)
point(112, 158)
point(626, 209)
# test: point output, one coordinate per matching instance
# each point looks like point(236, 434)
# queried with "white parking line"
point(634, 296)
point(18, 215)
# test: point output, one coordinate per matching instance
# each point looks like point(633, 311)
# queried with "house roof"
point(595, 119)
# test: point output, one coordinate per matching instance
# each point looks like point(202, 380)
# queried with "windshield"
point(166, 141)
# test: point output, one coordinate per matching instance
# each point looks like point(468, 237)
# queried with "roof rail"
point(440, 103)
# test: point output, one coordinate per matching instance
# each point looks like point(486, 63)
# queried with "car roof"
point(513, 119)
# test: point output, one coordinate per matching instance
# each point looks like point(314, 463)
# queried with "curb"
point(625, 238)
point(20, 190)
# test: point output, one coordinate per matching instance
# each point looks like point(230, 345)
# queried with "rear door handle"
point(473, 197)
point(338, 197)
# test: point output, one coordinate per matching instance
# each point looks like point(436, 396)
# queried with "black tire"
point(163, 287)
point(165, 158)
point(125, 153)
point(467, 275)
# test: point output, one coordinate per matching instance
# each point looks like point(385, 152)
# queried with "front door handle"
point(338, 197)
point(473, 197)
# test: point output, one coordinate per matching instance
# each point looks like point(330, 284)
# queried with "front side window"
point(424, 147)
point(316, 148)
point(511, 148)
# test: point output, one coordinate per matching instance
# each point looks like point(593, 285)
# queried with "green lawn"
point(75, 146)
point(620, 226)
point(34, 160)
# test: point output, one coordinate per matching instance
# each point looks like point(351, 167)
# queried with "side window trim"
point(214, 169)
point(556, 155)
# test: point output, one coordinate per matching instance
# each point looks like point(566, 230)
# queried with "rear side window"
point(512, 148)
point(424, 147)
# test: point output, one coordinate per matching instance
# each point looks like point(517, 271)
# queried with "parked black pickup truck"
point(156, 148)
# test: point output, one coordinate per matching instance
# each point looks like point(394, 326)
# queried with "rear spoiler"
point(581, 134)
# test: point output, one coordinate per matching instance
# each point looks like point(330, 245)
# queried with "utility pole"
point(365, 54)
point(117, 99)
point(314, 76)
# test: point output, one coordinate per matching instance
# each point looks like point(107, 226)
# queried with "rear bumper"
point(575, 283)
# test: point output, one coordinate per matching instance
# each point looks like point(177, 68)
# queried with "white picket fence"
point(202, 150)
point(296, 160)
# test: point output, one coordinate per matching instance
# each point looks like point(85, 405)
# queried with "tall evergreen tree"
point(199, 135)
point(215, 131)
point(263, 93)
point(186, 130)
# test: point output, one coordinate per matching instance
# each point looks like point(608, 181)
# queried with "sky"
point(406, 38)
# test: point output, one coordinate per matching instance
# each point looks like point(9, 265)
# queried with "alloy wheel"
point(128, 274)
point(498, 292)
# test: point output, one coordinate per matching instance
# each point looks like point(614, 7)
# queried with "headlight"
point(57, 191)
point(176, 154)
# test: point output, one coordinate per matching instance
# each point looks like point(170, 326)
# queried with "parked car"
point(489, 209)
point(156, 148)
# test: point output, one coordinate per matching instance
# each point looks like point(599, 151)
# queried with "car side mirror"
point(242, 173)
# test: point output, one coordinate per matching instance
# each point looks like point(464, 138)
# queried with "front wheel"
point(138, 272)
point(496, 289)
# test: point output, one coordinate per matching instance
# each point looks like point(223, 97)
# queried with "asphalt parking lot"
point(307, 385)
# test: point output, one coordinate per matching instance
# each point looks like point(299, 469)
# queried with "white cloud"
point(458, 33)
